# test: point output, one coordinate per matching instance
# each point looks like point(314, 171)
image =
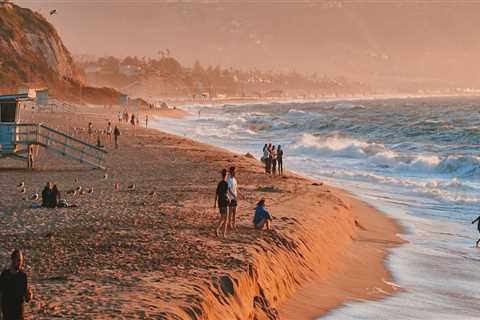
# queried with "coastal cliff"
point(31, 50)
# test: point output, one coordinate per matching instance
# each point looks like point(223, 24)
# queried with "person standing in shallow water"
point(14, 289)
point(221, 197)
point(478, 227)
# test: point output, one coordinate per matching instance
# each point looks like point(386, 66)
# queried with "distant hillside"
point(33, 54)
point(31, 50)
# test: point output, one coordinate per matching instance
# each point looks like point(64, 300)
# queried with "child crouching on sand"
point(262, 217)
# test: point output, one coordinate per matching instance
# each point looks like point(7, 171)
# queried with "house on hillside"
point(129, 70)
point(6, 4)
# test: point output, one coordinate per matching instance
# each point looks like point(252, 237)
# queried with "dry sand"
point(151, 253)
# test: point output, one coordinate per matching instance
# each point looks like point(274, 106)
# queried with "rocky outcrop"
point(31, 51)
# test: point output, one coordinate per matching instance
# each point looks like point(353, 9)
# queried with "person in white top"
point(232, 195)
point(109, 131)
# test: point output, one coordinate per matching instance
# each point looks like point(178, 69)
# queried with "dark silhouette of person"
point(47, 195)
point(116, 133)
point(14, 288)
point(478, 227)
point(55, 197)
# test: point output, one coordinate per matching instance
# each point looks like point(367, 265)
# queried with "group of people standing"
point(273, 159)
point(226, 198)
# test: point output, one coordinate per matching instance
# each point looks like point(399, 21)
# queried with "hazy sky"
point(383, 39)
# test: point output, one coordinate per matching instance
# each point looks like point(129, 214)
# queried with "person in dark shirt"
point(478, 227)
point(14, 289)
point(47, 195)
point(262, 217)
point(116, 133)
point(55, 198)
point(280, 160)
point(222, 200)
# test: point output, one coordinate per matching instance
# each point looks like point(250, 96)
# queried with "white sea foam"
point(417, 173)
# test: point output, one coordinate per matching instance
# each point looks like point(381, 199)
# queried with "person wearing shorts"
point(233, 194)
point(221, 199)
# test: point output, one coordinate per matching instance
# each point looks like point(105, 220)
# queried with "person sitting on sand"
point(478, 227)
point(47, 195)
point(55, 197)
point(262, 217)
point(221, 197)
point(14, 288)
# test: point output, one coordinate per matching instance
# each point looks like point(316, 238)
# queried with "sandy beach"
point(152, 253)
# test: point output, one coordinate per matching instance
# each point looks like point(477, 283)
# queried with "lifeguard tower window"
point(8, 111)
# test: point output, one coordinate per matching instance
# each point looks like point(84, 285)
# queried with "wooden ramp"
point(53, 141)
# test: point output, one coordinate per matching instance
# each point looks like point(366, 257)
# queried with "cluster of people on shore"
point(227, 195)
point(273, 159)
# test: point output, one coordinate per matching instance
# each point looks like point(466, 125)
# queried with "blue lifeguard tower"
point(17, 139)
point(9, 118)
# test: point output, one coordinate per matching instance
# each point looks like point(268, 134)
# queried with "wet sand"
point(152, 253)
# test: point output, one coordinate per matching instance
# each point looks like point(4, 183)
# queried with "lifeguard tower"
point(16, 138)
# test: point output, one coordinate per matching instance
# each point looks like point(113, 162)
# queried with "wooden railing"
point(56, 142)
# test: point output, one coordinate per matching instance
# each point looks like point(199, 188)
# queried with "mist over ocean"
point(416, 159)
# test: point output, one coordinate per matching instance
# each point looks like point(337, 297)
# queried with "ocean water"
point(416, 159)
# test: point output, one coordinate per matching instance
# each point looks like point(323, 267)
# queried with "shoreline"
point(318, 232)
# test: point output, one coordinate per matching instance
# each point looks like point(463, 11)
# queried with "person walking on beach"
point(120, 116)
point(132, 121)
point(14, 288)
point(109, 131)
point(262, 218)
point(478, 227)
point(280, 160)
point(90, 131)
point(233, 194)
point(146, 121)
point(222, 200)
point(30, 156)
point(116, 133)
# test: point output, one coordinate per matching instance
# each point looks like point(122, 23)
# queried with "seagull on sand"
point(52, 12)
point(131, 187)
point(105, 176)
point(90, 190)
point(34, 197)
point(72, 192)
point(21, 185)
point(23, 190)
point(78, 189)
